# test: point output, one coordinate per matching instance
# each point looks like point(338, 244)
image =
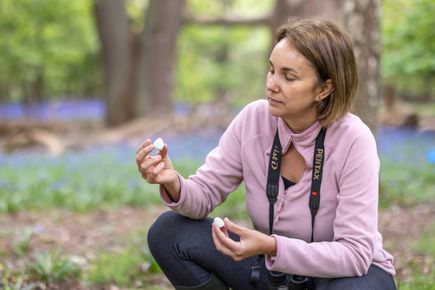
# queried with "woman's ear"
point(324, 90)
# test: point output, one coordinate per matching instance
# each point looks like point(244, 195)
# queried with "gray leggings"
point(185, 251)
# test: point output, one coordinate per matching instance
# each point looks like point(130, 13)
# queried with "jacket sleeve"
point(355, 225)
point(220, 175)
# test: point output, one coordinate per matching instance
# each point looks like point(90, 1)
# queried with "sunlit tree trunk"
point(288, 9)
point(116, 47)
point(156, 67)
point(298, 9)
point(362, 20)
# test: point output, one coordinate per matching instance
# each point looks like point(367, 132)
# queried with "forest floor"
point(82, 235)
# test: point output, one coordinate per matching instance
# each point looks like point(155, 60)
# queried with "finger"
point(217, 240)
point(164, 151)
point(229, 244)
point(232, 227)
point(149, 161)
point(226, 241)
point(143, 145)
point(143, 153)
point(225, 231)
point(159, 167)
point(235, 248)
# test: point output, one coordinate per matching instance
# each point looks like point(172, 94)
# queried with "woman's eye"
point(289, 78)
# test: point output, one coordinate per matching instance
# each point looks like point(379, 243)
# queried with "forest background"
point(83, 82)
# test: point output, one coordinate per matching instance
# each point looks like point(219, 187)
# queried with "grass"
point(425, 244)
point(108, 178)
point(420, 280)
point(78, 181)
point(53, 268)
point(120, 268)
point(406, 184)
point(83, 181)
point(41, 270)
point(22, 244)
point(127, 266)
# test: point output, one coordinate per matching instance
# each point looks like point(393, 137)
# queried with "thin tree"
point(362, 19)
point(138, 67)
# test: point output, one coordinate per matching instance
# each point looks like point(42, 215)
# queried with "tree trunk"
point(285, 10)
point(116, 44)
point(361, 18)
point(39, 85)
point(4, 92)
point(156, 66)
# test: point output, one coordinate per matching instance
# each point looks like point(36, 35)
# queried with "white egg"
point(158, 143)
point(219, 222)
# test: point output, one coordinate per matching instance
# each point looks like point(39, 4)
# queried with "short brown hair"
point(330, 51)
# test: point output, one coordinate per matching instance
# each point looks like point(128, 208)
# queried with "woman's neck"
point(299, 125)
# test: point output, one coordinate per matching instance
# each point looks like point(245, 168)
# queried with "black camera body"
point(283, 281)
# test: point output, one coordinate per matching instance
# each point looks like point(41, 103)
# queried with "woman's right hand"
point(158, 168)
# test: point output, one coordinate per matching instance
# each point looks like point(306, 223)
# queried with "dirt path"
point(83, 235)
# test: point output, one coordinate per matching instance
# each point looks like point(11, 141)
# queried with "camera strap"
point(316, 180)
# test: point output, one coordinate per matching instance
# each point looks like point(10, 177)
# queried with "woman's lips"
point(271, 100)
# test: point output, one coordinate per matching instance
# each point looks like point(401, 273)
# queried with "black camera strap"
point(273, 175)
point(272, 188)
point(316, 180)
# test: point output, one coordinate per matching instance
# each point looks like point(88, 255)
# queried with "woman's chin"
point(274, 111)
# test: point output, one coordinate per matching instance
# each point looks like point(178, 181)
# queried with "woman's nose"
point(271, 83)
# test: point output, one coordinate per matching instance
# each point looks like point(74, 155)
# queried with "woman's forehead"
point(285, 55)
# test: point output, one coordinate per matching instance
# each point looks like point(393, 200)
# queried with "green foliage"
point(13, 280)
point(233, 7)
point(22, 245)
point(406, 185)
point(52, 40)
point(214, 61)
point(83, 181)
point(121, 268)
point(78, 181)
point(217, 63)
point(52, 268)
point(409, 45)
point(234, 206)
point(136, 11)
point(423, 275)
point(425, 244)
point(55, 41)
point(419, 280)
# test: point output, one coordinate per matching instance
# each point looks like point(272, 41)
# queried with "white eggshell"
point(158, 143)
point(219, 222)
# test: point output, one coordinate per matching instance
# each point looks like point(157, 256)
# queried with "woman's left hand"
point(251, 242)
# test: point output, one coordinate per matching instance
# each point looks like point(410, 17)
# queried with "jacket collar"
point(301, 140)
point(304, 141)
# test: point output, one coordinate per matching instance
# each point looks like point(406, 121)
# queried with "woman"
point(310, 169)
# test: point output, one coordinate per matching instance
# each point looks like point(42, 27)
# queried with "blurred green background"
point(79, 91)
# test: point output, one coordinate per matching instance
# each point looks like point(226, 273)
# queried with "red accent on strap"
point(314, 193)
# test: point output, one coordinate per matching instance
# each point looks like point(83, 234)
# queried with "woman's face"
point(291, 85)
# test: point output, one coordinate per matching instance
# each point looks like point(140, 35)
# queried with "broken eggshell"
point(219, 222)
point(158, 145)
